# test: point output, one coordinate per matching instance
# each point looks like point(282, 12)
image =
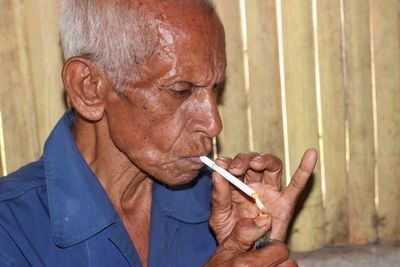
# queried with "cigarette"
point(235, 181)
point(263, 241)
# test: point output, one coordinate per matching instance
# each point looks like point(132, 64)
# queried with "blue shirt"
point(54, 212)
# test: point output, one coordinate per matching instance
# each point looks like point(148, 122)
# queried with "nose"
point(205, 115)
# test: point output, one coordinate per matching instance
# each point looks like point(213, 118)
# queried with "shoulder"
point(23, 197)
point(20, 182)
point(20, 193)
point(23, 192)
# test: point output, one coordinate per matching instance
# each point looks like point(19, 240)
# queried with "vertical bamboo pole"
point(16, 100)
point(361, 135)
point(386, 53)
point(333, 120)
point(45, 60)
point(264, 93)
point(233, 108)
point(302, 122)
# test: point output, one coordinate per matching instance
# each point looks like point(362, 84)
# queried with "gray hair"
point(115, 34)
point(106, 34)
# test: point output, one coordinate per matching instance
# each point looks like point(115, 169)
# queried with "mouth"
point(195, 161)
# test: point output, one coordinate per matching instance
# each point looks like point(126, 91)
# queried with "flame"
point(258, 202)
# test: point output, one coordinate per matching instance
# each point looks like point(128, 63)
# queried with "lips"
point(195, 160)
point(199, 150)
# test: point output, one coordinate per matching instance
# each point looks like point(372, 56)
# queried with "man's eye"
point(218, 88)
point(182, 89)
point(183, 92)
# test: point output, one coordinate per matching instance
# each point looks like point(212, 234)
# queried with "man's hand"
point(262, 172)
point(236, 249)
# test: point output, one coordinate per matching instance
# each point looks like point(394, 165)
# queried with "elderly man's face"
point(168, 120)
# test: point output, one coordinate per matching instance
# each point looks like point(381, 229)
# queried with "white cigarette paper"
point(235, 181)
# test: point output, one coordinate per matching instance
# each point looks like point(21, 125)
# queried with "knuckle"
point(297, 185)
point(242, 232)
point(281, 248)
point(223, 161)
point(239, 155)
point(249, 154)
point(273, 163)
point(304, 170)
point(284, 250)
point(277, 162)
point(240, 262)
point(289, 263)
point(242, 224)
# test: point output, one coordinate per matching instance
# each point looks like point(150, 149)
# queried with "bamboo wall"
point(31, 95)
point(301, 73)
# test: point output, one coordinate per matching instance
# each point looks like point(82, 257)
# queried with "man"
point(120, 182)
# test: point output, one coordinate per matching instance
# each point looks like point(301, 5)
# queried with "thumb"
point(246, 232)
point(221, 193)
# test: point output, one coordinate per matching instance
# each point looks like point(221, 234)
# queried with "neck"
point(120, 178)
point(128, 187)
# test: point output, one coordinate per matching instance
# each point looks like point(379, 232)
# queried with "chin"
point(181, 180)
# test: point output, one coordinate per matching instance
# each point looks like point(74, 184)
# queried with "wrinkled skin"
point(237, 248)
point(263, 172)
point(157, 128)
point(167, 121)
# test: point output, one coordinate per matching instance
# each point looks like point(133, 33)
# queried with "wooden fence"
point(301, 73)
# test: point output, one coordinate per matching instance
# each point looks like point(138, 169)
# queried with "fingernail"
point(235, 166)
point(258, 159)
point(263, 219)
point(221, 158)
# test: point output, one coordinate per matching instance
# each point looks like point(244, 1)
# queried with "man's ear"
point(84, 83)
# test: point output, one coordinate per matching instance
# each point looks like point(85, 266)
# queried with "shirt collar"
point(79, 207)
point(190, 203)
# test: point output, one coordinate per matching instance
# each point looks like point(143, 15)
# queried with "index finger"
point(221, 193)
point(271, 167)
point(301, 176)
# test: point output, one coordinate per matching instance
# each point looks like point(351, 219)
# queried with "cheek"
point(155, 139)
point(163, 120)
point(145, 126)
point(123, 128)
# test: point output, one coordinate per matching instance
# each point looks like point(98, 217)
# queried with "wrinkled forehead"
point(192, 36)
point(188, 20)
point(175, 36)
